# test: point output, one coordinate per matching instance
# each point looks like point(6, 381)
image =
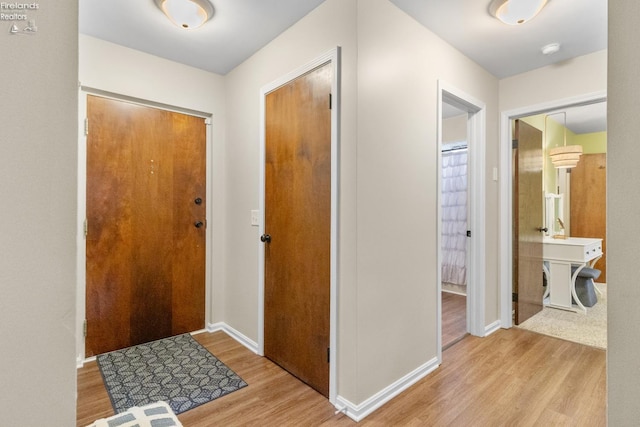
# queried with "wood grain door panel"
point(145, 257)
point(298, 219)
point(589, 203)
point(529, 214)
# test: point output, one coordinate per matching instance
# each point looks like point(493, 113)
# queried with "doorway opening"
point(467, 114)
point(570, 213)
point(506, 191)
point(454, 224)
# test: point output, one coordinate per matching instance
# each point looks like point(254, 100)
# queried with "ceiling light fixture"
point(516, 12)
point(187, 14)
point(550, 49)
point(565, 156)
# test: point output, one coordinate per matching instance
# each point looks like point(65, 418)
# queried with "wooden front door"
point(528, 219)
point(145, 239)
point(589, 203)
point(298, 223)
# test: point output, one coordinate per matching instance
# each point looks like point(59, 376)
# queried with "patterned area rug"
point(177, 370)
point(589, 329)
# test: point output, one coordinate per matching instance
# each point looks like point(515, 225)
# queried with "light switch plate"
point(255, 217)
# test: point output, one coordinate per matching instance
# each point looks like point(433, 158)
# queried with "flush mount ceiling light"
point(516, 12)
point(550, 49)
point(187, 14)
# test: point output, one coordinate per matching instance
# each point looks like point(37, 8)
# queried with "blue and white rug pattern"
point(177, 370)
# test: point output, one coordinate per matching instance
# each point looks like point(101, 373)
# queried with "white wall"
point(133, 74)
point(623, 203)
point(120, 70)
point(575, 77)
point(37, 220)
point(454, 129)
point(399, 64)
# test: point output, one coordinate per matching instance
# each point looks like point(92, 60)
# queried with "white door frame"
point(476, 136)
point(81, 273)
point(333, 57)
point(506, 187)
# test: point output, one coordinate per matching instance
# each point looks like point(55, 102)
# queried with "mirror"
point(585, 126)
point(554, 215)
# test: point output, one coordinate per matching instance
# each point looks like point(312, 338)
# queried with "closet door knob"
point(265, 238)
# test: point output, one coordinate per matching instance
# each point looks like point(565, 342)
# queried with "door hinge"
point(86, 227)
point(84, 328)
point(468, 233)
point(330, 101)
point(514, 297)
point(86, 126)
point(328, 354)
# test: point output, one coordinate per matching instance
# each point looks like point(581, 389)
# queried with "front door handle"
point(543, 230)
point(265, 238)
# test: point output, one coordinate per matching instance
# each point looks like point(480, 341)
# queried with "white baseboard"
point(211, 327)
point(353, 411)
point(80, 361)
point(491, 328)
point(454, 289)
point(449, 291)
point(359, 412)
point(238, 336)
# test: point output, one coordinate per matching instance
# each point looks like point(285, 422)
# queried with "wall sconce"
point(566, 156)
point(187, 14)
point(516, 12)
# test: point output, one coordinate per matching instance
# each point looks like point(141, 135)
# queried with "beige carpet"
point(589, 329)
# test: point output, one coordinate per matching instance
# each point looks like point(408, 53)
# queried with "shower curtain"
point(454, 216)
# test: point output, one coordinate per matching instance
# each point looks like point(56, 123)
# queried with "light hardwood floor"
point(454, 318)
point(510, 378)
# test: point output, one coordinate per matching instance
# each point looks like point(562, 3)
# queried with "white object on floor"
point(561, 254)
point(154, 414)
